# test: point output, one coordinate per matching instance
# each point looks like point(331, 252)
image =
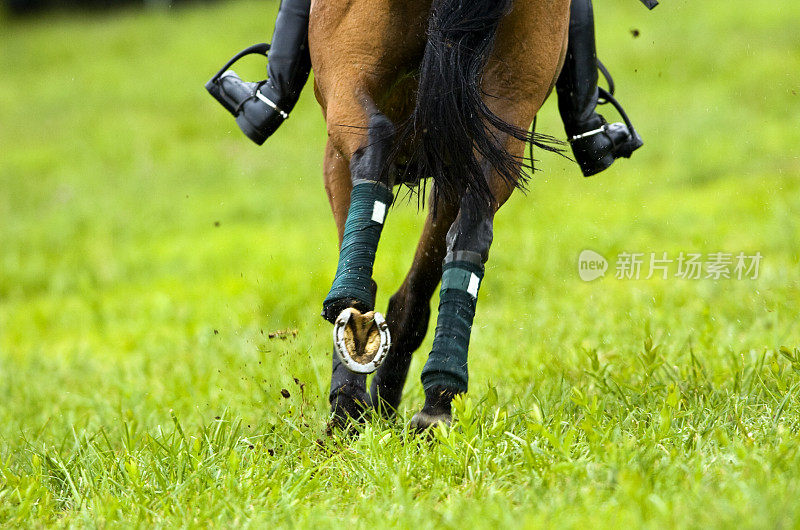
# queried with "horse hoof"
point(361, 340)
point(422, 421)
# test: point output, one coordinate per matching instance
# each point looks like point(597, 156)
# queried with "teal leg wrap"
point(362, 231)
point(447, 362)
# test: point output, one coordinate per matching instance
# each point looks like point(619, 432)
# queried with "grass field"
point(148, 251)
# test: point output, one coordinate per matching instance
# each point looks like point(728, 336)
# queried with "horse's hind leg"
point(468, 241)
point(358, 51)
point(409, 308)
point(370, 197)
point(348, 390)
point(360, 189)
point(520, 73)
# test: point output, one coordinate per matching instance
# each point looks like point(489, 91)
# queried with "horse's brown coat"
point(365, 54)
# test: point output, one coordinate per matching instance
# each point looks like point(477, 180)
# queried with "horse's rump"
point(452, 135)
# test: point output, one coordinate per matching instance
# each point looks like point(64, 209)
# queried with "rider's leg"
point(264, 106)
point(595, 143)
point(289, 61)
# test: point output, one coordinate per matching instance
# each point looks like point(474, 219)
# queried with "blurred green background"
point(148, 249)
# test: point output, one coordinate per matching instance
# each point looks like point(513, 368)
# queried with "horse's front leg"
point(468, 240)
point(360, 195)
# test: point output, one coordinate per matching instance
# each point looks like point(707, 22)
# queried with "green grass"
point(147, 250)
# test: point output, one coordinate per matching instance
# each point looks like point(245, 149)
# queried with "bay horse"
point(444, 90)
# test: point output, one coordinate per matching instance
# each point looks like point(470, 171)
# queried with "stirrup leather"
point(605, 97)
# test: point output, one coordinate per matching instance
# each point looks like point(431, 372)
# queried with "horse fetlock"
point(332, 308)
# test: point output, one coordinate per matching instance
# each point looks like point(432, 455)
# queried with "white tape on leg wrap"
point(474, 283)
point(379, 212)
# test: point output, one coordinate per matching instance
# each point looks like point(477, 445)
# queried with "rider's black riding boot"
point(288, 68)
point(595, 143)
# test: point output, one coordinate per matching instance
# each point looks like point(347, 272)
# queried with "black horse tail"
point(451, 128)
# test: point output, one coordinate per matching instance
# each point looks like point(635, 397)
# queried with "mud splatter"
point(283, 334)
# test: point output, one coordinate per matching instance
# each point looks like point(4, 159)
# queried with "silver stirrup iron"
point(363, 343)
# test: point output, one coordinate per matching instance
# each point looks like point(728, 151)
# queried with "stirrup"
point(361, 340)
point(214, 84)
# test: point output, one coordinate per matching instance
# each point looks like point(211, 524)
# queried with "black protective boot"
point(260, 108)
point(595, 143)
